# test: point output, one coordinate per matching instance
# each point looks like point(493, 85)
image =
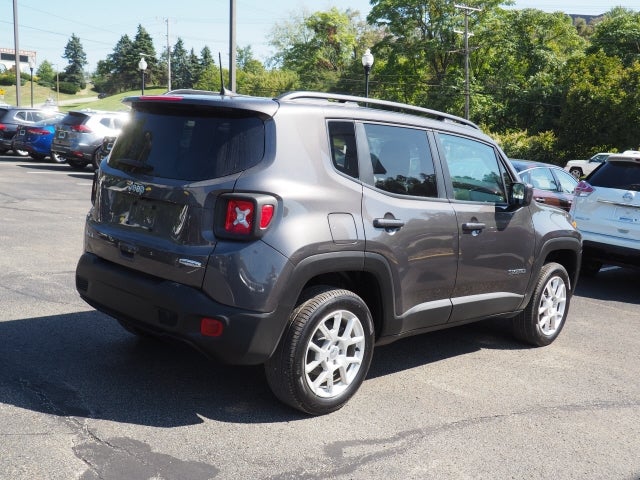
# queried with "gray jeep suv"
point(300, 231)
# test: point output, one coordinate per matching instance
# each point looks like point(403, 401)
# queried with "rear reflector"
point(211, 327)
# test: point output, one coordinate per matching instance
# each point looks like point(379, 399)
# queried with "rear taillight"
point(38, 131)
point(80, 128)
point(3, 126)
point(583, 189)
point(245, 217)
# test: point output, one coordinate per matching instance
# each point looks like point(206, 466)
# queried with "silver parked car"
point(79, 136)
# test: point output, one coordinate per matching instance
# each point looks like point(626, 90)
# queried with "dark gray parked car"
point(79, 136)
point(11, 118)
point(303, 230)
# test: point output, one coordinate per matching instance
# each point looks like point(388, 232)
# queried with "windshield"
point(191, 145)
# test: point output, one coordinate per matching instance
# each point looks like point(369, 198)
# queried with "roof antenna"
point(223, 90)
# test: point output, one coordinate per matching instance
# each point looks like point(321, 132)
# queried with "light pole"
point(32, 64)
point(142, 65)
point(367, 63)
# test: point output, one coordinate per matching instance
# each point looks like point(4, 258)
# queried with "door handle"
point(540, 199)
point(474, 227)
point(388, 223)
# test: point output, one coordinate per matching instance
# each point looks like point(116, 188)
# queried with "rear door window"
point(401, 160)
point(189, 144)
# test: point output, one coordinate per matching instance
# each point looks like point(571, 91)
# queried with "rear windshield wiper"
point(136, 164)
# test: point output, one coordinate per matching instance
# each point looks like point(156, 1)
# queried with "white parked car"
point(582, 168)
point(606, 209)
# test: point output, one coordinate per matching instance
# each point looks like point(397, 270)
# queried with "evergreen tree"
point(74, 72)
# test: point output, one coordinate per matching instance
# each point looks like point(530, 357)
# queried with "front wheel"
point(324, 356)
point(542, 320)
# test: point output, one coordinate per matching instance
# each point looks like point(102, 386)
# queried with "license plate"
point(627, 215)
point(142, 214)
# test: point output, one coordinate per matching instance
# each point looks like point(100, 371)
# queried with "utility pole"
point(17, 50)
point(466, 10)
point(232, 45)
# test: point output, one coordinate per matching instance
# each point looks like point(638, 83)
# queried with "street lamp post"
point(32, 64)
point(367, 63)
point(142, 65)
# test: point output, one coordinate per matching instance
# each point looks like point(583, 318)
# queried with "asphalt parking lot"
point(80, 398)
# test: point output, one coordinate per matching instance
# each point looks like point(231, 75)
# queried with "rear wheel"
point(97, 158)
point(56, 158)
point(543, 318)
point(576, 172)
point(21, 153)
point(324, 356)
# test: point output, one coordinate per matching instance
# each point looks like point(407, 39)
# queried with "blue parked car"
point(36, 138)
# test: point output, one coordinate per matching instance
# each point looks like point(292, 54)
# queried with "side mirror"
point(521, 194)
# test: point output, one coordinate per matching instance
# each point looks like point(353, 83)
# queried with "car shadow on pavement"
point(611, 283)
point(85, 365)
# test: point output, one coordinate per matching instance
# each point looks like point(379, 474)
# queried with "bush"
point(69, 88)
point(9, 79)
point(542, 147)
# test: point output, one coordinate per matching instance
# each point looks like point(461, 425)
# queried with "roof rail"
point(336, 97)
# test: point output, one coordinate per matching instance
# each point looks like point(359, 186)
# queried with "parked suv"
point(11, 118)
point(301, 231)
point(606, 209)
point(79, 135)
point(582, 168)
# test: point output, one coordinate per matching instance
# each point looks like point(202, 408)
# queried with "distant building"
point(8, 59)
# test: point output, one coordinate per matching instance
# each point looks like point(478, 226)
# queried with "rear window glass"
point(622, 175)
point(74, 119)
point(189, 145)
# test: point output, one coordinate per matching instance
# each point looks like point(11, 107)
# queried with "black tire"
point(21, 153)
point(542, 320)
point(77, 164)
point(343, 365)
point(97, 158)
point(576, 172)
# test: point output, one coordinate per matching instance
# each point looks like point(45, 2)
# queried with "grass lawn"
point(84, 99)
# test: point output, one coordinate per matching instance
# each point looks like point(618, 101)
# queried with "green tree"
point(143, 46)
point(601, 107)
point(319, 48)
point(77, 58)
point(518, 68)
point(618, 35)
point(46, 75)
point(180, 67)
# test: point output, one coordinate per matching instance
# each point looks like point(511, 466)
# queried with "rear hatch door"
point(155, 197)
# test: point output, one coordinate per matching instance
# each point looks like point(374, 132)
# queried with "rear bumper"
point(171, 309)
point(74, 153)
point(611, 254)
